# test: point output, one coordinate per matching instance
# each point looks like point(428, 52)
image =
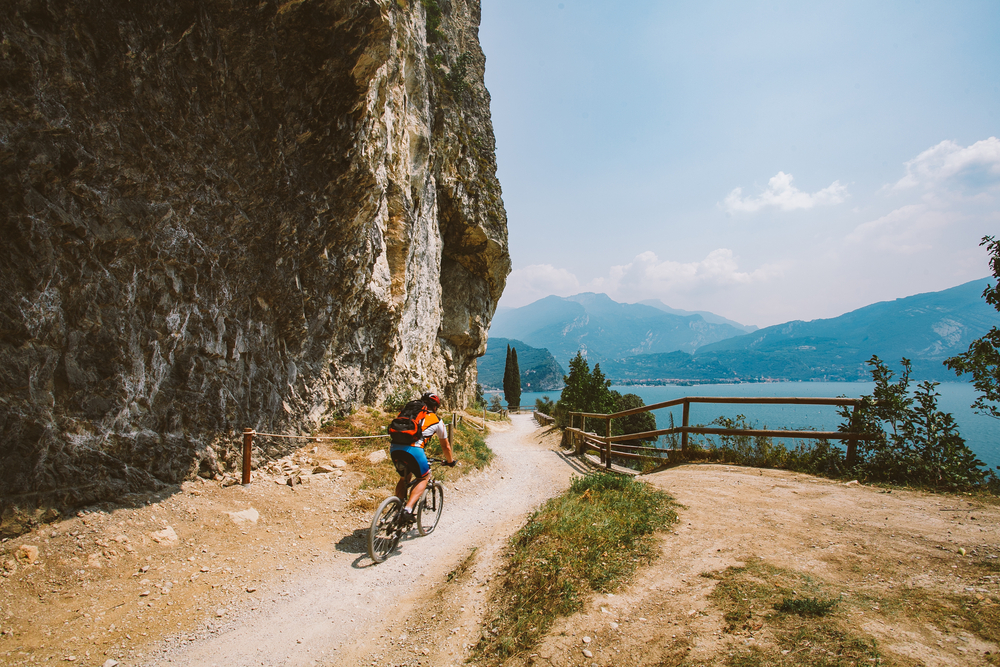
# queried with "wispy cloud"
point(647, 276)
point(907, 230)
point(952, 191)
point(536, 281)
point(781, 194)
point(948, 165)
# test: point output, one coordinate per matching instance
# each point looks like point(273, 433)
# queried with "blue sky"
point(767, 161)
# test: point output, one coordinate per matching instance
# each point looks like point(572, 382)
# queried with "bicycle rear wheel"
point(385, 533)
point(429, 508)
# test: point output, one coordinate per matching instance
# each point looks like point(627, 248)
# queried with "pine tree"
point(574, 394)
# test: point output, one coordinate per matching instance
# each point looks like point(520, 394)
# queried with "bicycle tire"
point(385, 533)
point(429, 509)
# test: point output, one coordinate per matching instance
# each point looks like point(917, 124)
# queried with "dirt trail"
point(336, 611)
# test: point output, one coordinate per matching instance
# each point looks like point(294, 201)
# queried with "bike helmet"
point(432, 401)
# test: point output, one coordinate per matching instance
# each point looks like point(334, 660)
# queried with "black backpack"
point(408, 426)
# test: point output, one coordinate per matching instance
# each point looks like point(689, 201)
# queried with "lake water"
point(981, 433)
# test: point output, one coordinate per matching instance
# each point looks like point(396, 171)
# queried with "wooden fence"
point(608, 445)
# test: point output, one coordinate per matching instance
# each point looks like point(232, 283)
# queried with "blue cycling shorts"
point(409, 460)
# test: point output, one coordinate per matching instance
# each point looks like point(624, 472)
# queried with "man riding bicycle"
point(412, 460)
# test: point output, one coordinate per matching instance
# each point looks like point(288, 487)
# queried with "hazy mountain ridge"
point(605, 329)
point(539, 369)
point(926, 328)
point(711, 318)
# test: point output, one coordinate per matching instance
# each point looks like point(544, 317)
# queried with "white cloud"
point(907, 230)
point(645, 277)
point(537, 281)
point(952, 191)
point(976, 167)
point(780, 193)
point(648, 277)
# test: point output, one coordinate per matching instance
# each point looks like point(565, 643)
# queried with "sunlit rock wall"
point(218, 215)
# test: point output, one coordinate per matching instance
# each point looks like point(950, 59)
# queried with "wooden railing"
point(608, 445)
point(543, 419)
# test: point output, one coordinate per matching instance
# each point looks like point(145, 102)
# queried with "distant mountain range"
point(606, 329)
point(711, 318)
point(539, 369)
point(926, 328)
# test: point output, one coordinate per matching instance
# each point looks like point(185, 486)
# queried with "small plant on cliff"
point(395, 401)
point(433, 21)
point(456, 78)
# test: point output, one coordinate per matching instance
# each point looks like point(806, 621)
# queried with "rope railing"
point(249, 433)
point(317, 438)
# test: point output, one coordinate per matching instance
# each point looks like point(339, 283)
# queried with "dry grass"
point(798, 619)
point(379, 477)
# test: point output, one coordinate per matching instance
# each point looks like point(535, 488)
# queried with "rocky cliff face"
point(218, 215)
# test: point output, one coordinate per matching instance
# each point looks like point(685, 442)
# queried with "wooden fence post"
point(852, 443)
point(684, 423)
point(247, 446)
point(607, 443)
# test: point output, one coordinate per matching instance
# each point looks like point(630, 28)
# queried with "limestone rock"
point(167, 536)
point(28, 554)
point(244, 517)
point(218, 216)
point(337, 463)
point(377, 456)
point(323, 469)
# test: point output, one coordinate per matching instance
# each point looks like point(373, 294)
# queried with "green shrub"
point(917, 443)
point(806, 606)
point(545, 405)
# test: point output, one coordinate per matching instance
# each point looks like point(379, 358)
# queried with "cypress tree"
point(514, 399)
point(506, 378)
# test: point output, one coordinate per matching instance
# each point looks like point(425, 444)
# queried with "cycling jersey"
point(412, 458)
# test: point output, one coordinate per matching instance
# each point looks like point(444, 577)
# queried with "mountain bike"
point(387, 529)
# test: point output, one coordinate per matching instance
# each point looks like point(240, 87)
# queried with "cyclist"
point(411, 459)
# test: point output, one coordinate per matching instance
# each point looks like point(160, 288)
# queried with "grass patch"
point(591, 538)
point(800, 620)
point(797, 611)
point(951, 613)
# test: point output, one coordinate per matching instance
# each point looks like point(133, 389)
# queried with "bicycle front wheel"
point(429, 508)
point(385, 533)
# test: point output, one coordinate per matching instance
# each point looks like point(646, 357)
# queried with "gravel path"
point(338, 610)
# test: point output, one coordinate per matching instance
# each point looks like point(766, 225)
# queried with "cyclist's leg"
point(401, 485)
point(417, 490)
point(405, 466)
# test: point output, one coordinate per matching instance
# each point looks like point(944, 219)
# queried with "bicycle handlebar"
point(434, 459)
